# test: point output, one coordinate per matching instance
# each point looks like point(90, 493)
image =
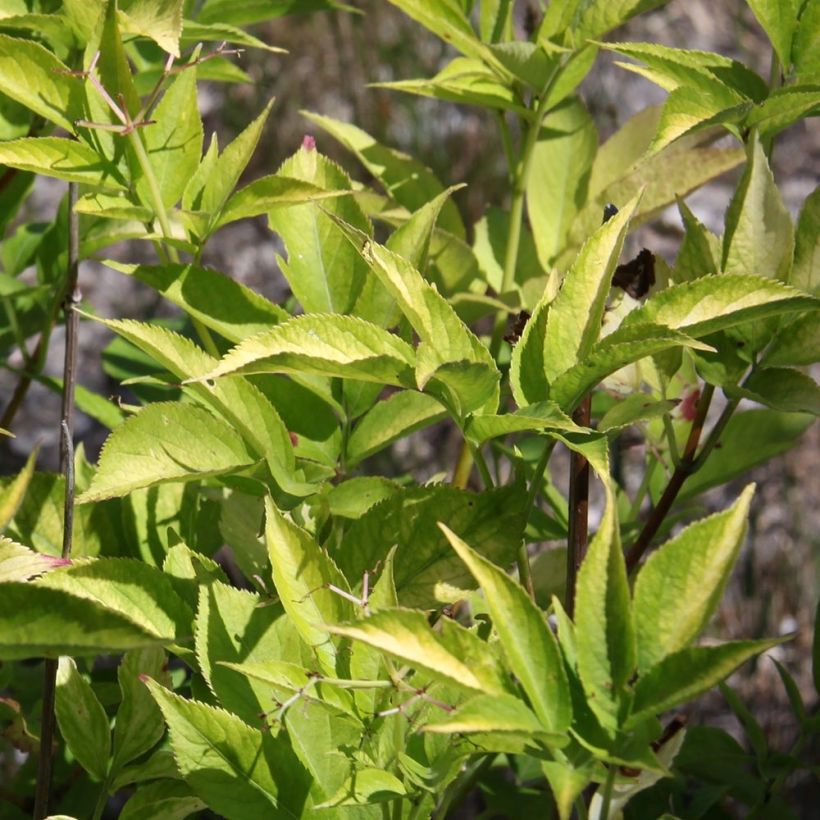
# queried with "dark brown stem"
point(578, 537)
point(687, 465)
point(72, 298)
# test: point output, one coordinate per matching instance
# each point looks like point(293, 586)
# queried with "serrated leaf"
point(604, 625)
point(162, 800)
point(527, 368)
point(60, 158)
point(33, 76)
point(324, 271)
point(778, 19)
point(19, 563)
point(680, 586)
point(131, 588)
point(218, 301)
point(302, 574)
point(394, 418)
point(797, 344)
point(685, 674)
point(267, 193)
point(406, 634)
point(366, 787)
point(699, 252)
point(195, 31)
point(166, 441)
point(324, 345)
point(545, 415)
point(527, 641)
point(620, 348)
point(40, 622)
point(781, 388)
point(139, 724)
point(160, 20)
point(804, 45)
point(783, 107)
point(558, 175)
point(772, 433)
point(806, 267)
point(714, 303)
point(597, 17)
point(489, 713)
point(631, 410)
point(12, 495)
point(573, 322)
point(408, 181)
point(759, 233)
point(237, 770)
point(82, 720)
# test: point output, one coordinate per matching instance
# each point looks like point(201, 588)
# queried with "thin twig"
point(72, 298)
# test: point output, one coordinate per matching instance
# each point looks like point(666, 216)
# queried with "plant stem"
point(606, 797)
point(464, 466)
point(578, 536)
point(686, 466)
point(165, 226)
point(461, 787)
point(72, 298)
point(581, 808)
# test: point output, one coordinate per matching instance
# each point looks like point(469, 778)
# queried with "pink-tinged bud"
point(144, 678)
point(309, 143)
point(294, 439)
point(55, 562)
point(689, 405)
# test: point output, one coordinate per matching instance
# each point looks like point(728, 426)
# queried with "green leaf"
point(12, 495)
point(620, 348)
point(489, 713)
point(527, 641)
point(759, 235)
point(527, 368)
point(804, 46)
point(38, 622)
point(714, 303)
point(782, 108)
point(257, 11)
point(685, 674)
point(558, 175)
point(543, 416)
point(781, 388)
point(779, 20)
point(680, 586)
point(772, 433)
point(324, 345)
point(139, 725)
point(19, 563)
point(159, 20)
point(267, 193)
point(797, 344)
point(324, 271)
point(194, 32)
point(33, 76)
point(455, 655)
point(493, 522)
point(162, 800)
point(302, 574)
point(222, 304)
point(238, 771)
point(131, 588)
point(60, 158)
point(165, 442)
point(82, 720)
point(596, 17)
point(394, 418)
point(605, 631)
point(573, 323)
point(700, 250)
point(631, 410)
point(173, 143)
point(406, 180)
point(806, 267)
point(366, 787)
point(566, 781)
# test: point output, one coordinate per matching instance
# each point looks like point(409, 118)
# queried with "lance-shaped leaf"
point(527, 369)
point(132, 588)
point(389, 420)
point(806, 267)
point(198, 32)
point(159, 21)
point(782, 108)
point(238, 771)
point(167, 441)
point(781, 388)
point(798, 343)
point(685, 674)
point(487, 714)
point(168, 798)
point(270, 192)
point(527, 641)
point(779, 20)
point(366, 786)
point(604, 628)
point(139, 725)
point(60, 158)
point(82, 720)
point(759, 235)
point(222, 304)
point(597, 17)
point(303, 574)
point(573, 322)
point(32, 75)
point(455, 655)
point(681, 584)
point(622, 347)
point(405, 179)
point(324, 345)
point(714, 303)
point(545, 415)
point(325, 272)
point(13, 494)
point(39, 622)
point(19, 563)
